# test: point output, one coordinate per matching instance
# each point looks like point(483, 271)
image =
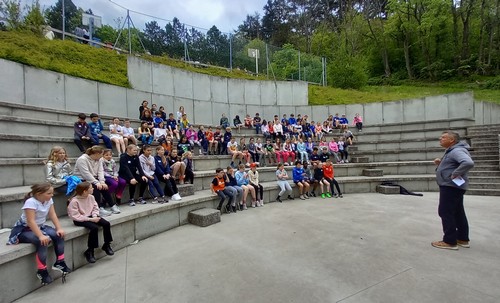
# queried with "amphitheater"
point(399, 141)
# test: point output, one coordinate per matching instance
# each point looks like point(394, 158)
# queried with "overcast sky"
point(225, 14)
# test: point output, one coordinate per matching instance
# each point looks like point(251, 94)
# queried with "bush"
point(348, 73)
point(493, 83)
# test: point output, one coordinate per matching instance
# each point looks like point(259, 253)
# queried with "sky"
point(225, 14)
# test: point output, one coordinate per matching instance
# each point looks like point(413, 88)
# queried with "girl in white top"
point(282, 177)
point(31, 228)
point(116, 135)
point(160, 133)
point(128, 133)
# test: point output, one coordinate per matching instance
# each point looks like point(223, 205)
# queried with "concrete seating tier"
point(134, 223)
point(392, 155)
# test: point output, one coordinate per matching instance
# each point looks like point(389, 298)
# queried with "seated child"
point(96, 131)
point(298, 174)
point(116, 185)
point(148, 166)
point(253, 176)
point(84, 211)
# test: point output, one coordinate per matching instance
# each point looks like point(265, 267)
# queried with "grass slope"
point(107, 66)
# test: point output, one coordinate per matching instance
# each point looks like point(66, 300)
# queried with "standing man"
point(451, 176)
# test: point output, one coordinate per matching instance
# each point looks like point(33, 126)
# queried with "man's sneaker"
point(103, 212)
point(155, 200)
point(444, 245)
point(328, 195)
point(141, 201)
point(302, 197)
point(278, 199)
point(62, 267)
point(115, 209)
point(131, 202)
point(336, 195)
point(44, 276)
point(176, 197)
point(290, 197)
point(340, 196)
point(323, 196)
point(463, 243)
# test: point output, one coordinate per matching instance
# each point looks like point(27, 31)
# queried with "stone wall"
point(205, 97)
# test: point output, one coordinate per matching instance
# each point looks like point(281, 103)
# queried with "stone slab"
point(134, 100)
point(373, 114)
point(252, 92)
point(44, 88)
point(201, 87)
point(373, 172)
point(163, 79)
point(392, 112)
point(413, 110)
point(139, 73)
point(12, 87)
point(461, 105)
point(300, 93)
point(268, 93)
point(388, 190)
point(285, 93)
point(81, 95)
point(113, 101)
point(236, 91)
point(436, 107)
point(183, 83)
point(204, 217)
point(219, 89)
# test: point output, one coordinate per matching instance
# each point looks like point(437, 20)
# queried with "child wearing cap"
point(253, 176)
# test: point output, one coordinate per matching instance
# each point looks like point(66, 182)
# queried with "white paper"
point(458, 181)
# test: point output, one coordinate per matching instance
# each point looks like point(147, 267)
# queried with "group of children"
point(235, 186)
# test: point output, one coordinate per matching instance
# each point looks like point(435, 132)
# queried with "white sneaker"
point(103, 212)
point(346, 161)
point(302, 197)
point(115, 209)
point(261, 203)
point(155, 200)
point(176, 197)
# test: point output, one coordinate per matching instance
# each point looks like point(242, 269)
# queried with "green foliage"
point(68, 57)
point(34, 19)
point(285, 64)
point(11, 12)
point(493, 83)
point(73, 15)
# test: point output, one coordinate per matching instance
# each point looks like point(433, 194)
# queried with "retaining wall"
point(205, 97)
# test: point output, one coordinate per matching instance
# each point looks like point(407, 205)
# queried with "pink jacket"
point(333, 146)
point(191, 135)
point(357, 120)
point(80, 208)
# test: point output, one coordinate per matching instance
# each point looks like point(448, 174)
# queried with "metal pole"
point(299, 65)
point(63, 19)
point(257, 62)
point(91, 29)
point(129, 33)
point(231, 52)
point(326, 79)
point(267, 62)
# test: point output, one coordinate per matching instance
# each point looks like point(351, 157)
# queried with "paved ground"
point(363, 248)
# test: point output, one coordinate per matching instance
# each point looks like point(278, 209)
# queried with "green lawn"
point(107, 66)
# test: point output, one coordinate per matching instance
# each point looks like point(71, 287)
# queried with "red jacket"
point(328, 171)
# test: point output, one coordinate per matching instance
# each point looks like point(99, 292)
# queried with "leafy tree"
point(155, 38)
point(34, 19)
point(73, 15)
point(107, 34)
point(12, 13)
point(251, 27)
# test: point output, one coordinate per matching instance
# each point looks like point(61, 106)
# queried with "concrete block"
point(360, 159)
point(134, 100)
point(113, 101)
point(139, 73)
point(268, 93)
point(304, 110)
point(14, 173)
point(267, 112)
point(201, 87)
point(21, 149)
point(300, 93)
point(44, 88)
point(187, 208)
point(234, 109)
point(436, 108)
point(478, 112)
point(203, 112)
point(219, 89)
point(185, 190)
point(351, 110)
point(23, 269)
point(373, 114)
point(252, 92)
point(252, 110)
point(373, 172)
point(183, 83)
point(495, 113)
point(214, 113)
point(285, 93)
point(12, 86)
point(163, 79)
point(286, 110)
point(236, 91)
point(414, 110)
point(388, 190)
point(335, 109)
point(156, 223)
point(393, 112)
point(166, 101)
point(81, 95)
point(204, 217)
point(461, 105)
point(319, 113)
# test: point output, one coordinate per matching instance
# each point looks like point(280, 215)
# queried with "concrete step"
point(403, 144)
point(485, 157)
point(484, 151)
point(373, 172)
point(482, 173)
point(474, 185)
point(360, 159)
point(420, 126)
point(484, 179)
point(483, 192)
point(11, 199)
point(431, 134)
point(390, 155)
point(388, 190)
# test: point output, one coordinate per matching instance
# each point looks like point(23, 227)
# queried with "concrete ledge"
point(358, 159)
point(373, 172)
point(388, 190)
point(204, 217)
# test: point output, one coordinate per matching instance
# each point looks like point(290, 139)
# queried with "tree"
point(155, 38)
point(275, 22)
point(217, 47)
point(251, 28)
point(34, 19)
point(12, 13)
point(73, 15)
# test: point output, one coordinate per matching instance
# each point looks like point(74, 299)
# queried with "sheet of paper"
point(458, 181)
